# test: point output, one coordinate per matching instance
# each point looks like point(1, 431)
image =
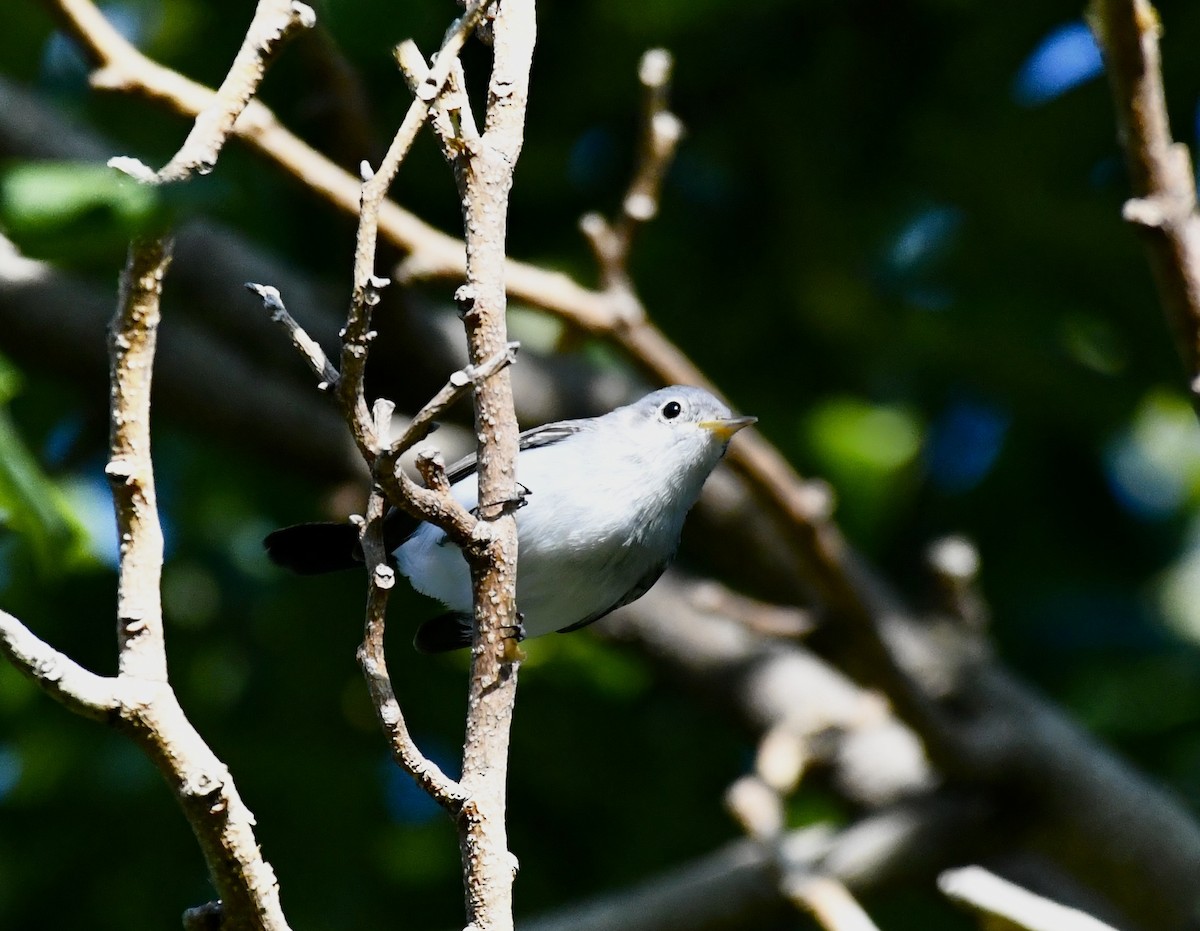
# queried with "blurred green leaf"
point(854, 436)
point(30, 503)
point(866, 450)
point(74, 212)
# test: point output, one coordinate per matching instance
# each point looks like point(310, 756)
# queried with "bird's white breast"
point(596, 519)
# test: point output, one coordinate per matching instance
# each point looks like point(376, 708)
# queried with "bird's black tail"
point(311, 549)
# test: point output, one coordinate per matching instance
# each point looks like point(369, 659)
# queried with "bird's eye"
point(672, 409)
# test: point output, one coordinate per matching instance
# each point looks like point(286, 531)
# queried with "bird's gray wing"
point(545, 435)
point(643, 585)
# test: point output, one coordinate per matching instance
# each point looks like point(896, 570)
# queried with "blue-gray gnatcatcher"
point(602, 503)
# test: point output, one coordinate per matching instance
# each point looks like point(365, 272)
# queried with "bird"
point(600, 508)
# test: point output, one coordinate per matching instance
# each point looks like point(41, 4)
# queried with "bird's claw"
point(511, 637)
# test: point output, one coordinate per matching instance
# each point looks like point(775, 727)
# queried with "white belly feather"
point(582, 545)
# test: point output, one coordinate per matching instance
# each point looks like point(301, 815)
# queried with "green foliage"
point(869, 452)
point(30, 503)
point(74, 213)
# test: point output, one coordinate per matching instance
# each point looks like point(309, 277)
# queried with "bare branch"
point(433, 503)
point(433, 254)
point(661, 133)
point(737, 886)
point(374, 191)
point(955, 565)
point(769, 620)
point(63, 679)
point(988, 894)
point(274, 22)
point(371, 657)
point(490, 542)
point(830, 903)
point(132, 338)
point(485, 177)
point(221, 821)
point(308, 347)
point(757, 808)
point(458, 384)
point(139, 700)
point(1164, 186)
point(149, 708)
point(261, 406)
point(451, 116)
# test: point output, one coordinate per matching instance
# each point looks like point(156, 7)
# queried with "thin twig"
point(988, 894)
point(1164, 186)
point(274, 22)
point(757, 808)
point(823, 555)
point(308, 347)
point(954, 562)
point(456, 386)
point(768, 620)
point(371, 657)
point(375, 186)
point(59, 676)
point(433, 504)
point(119, 66)
point(661, 132)
point(451, 117)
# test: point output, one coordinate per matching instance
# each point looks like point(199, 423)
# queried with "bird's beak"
point(724, 429)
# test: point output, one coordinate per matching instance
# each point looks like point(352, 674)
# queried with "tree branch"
point(1006, 904)
point(373, 660)
point(150, 711)
point(59, 676)
point(308, 347)
point(936, 677)
point(374, 190)
point(1163, 206)
point(132, 338)
point(661, 133)
point(139, 700)
point(274, 22)
point(432, 253)
point(737, 886)
point(830, 903)
point(485, 176)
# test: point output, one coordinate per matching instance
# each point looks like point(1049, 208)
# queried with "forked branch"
point(139, 700)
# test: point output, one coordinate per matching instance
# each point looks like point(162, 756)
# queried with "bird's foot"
point(507, 506)
point(511, 640)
